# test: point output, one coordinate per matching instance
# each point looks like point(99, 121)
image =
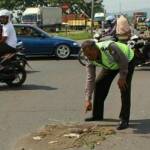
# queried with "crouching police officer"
point(114, 58)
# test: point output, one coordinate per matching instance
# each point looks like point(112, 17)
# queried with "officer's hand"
point(88, 105)
point(122, 84)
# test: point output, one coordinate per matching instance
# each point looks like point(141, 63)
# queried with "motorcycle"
point(82, 58)
point(13, 71)
point(20, 56)
point(141, 49)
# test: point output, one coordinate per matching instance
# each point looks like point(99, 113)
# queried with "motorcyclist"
point(8, 39)
point(111, 22)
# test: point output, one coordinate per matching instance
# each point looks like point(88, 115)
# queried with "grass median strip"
point(75, 35)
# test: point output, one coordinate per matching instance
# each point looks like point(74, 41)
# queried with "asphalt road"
point(54, 92)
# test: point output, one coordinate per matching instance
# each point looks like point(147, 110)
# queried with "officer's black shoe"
point(123, 125)
point(94, 119)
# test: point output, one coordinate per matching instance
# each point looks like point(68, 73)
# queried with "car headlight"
point(75, 44)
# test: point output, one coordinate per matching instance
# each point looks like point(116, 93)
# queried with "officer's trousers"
point(102, 86)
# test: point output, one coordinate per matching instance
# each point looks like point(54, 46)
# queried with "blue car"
point(39, 43)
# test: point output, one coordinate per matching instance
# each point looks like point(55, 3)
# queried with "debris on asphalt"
point(37, 138)
point(72, 135)
point(52, 142)
point(61, 136)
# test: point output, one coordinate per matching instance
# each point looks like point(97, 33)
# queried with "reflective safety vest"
point(107, 61)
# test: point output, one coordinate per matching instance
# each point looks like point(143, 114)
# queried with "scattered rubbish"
point(37, 138)
point(52, 142)
point(76, 130)
point(85, 130)
point(72, 135)
point(67, 136)
point(98, 143)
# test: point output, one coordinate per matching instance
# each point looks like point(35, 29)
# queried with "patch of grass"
point(75, 35)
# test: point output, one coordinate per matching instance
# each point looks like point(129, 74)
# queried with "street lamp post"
point(92, 14)
point(92, 17)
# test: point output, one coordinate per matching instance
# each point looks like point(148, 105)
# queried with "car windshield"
point(42, 31)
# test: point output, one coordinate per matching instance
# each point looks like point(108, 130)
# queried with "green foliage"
point(10, 4)
point(17, 4)
point(78, 6)
point(75, 6)
point(29, 3)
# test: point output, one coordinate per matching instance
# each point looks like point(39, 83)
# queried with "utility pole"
point(92, 14)
point(92, 17)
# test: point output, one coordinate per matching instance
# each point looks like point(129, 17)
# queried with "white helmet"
point(134, 37)
point(96, 35)
point(110, 18)
point(5, 12)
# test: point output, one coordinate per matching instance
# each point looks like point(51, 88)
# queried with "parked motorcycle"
point(13, 69)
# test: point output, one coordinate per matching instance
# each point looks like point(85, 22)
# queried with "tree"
point(10, 4)
point(79, 6)
point(17, 4)
point(29, 3)
point(75, 6)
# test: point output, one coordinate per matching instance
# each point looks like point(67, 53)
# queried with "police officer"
point(114, 58)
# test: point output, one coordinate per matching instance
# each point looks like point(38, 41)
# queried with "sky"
point(125, 5)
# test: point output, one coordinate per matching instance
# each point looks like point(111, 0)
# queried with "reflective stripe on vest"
point(107, 61)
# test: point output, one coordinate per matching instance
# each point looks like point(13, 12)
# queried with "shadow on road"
point(141, 126)
point(32, 71)
point(142, 69)
point(51, 58)
point(138, 126)
point(27, 87)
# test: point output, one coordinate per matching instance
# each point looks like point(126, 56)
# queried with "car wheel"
point(63, 51)
point(82, 58)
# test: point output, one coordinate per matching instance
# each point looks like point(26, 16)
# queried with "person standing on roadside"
point(114, 58)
